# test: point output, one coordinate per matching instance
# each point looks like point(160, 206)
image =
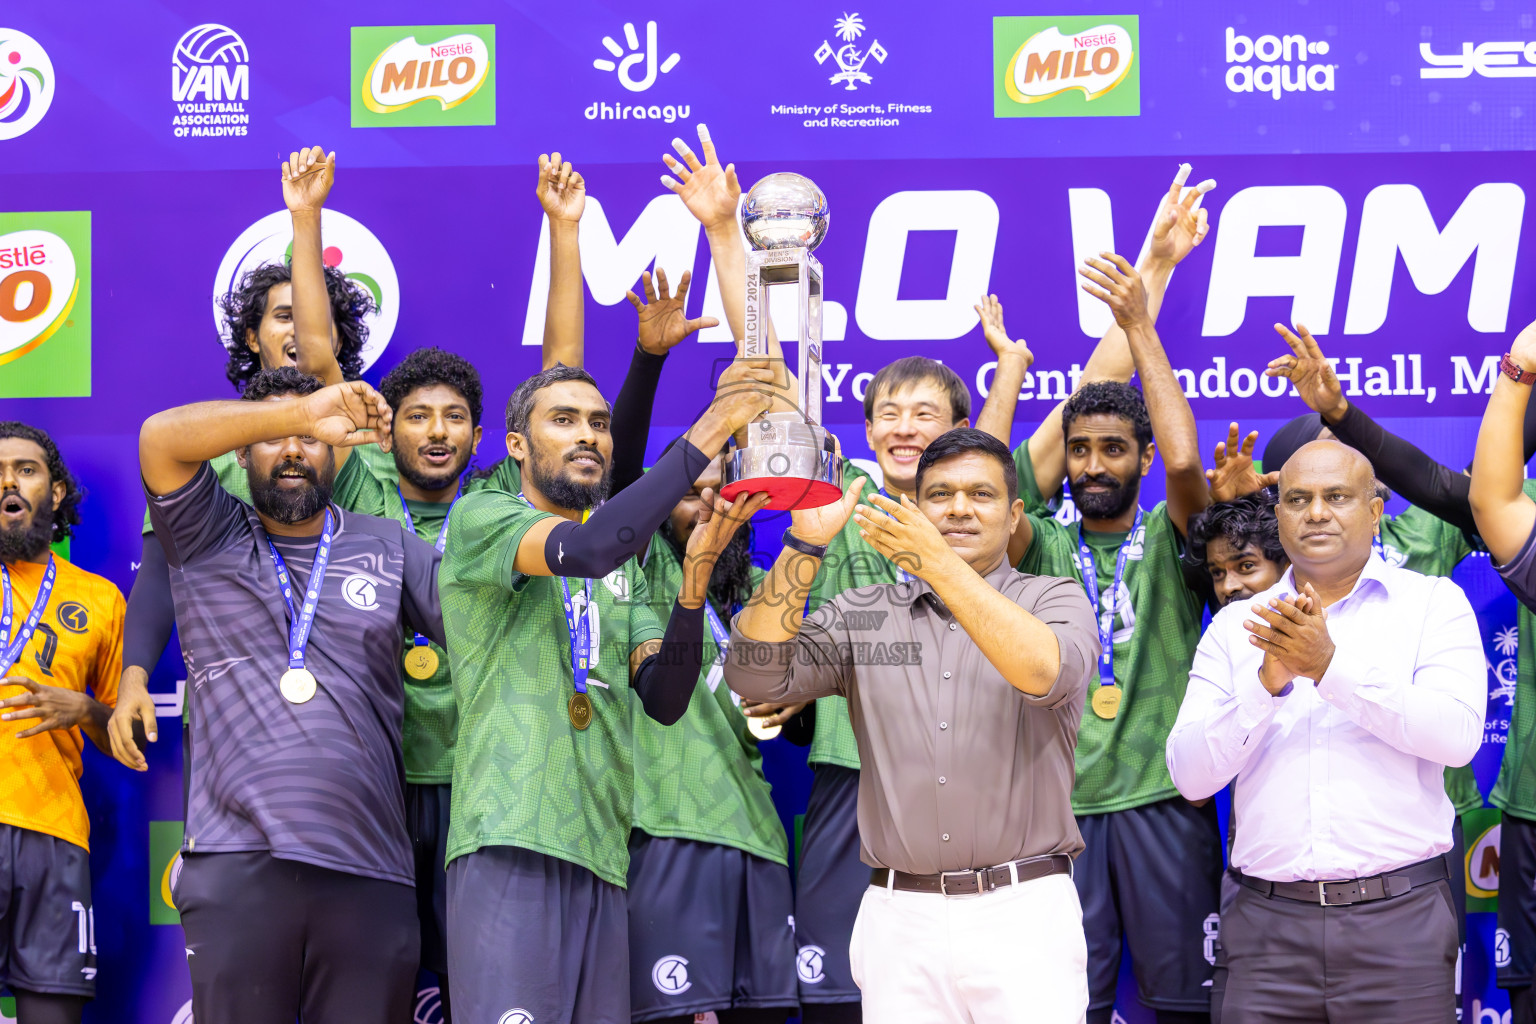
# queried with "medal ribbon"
point(301, 620)
point(442, 538)
point(10, 652)
point(580, 631)
point(1090, 572)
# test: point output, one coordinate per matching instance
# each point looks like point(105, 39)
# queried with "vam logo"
point(810, 964)
point(424, 75)
point(349, 246)
point(210, 83)
point(670, 975)
point(45, 304)
point(26, 83)
point(1281, 64)
point(627, 61)
point(850, 59)
point(1065, 67)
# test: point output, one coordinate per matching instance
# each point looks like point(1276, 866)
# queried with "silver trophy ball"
point(785, 211)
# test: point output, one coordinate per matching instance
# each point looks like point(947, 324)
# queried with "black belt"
point(1348, 891)
point(972, 881)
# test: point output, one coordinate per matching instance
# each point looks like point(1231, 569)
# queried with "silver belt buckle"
point(1322, 895)
point(944, 880)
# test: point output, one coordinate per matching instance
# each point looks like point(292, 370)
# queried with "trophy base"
point(793, 475)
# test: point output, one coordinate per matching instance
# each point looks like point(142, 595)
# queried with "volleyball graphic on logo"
point(26, 83)
point(210, 44)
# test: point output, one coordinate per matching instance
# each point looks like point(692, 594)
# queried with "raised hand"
point(820, 525)
point(744, 392)
point(307, 178)
point(717, 523)
point(663, 318)
point(1180, 224)
point(1310, 374)
point(991, 312)
point(347, 414)
point(1113, 281)
point(562, 190)
point(1234, 475)
point(54, 706)
point(900, 532)
point(710, 192)
point(1294, 632)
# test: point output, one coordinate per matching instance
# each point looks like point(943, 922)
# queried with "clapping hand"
point(1293, 634)
point(903, 534)
point(1234, 475)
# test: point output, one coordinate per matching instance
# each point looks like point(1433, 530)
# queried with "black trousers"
point(269, 940)
point(1282, 961)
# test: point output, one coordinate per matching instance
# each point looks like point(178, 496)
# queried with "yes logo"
point(423, 75)
point(1065, 67)
point(45, 305)
point(350, 247)
point(26, 83)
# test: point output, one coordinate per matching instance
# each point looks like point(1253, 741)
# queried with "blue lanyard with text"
point(301, 620)
point(580, 629)
point(1090, 571)
point(716, 628)
point(442, 537)
point(10, 649)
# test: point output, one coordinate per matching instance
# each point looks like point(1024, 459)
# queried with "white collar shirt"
point(1343, 777)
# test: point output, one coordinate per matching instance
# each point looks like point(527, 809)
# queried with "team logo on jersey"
point(809, 964)
point(73, 617)
point(429, 1006)
point(26, 83)
point(516, 1016)
point(349, 247)
point(1212, 929)
point(670, 975)
point(45, 305)
point(184, 1015)
point(618, 584)
point(360, 592)
point(1501, 948)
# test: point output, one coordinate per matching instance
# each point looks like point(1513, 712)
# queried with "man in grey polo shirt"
point(965, 686)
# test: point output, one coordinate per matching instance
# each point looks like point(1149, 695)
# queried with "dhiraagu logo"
point(45, 305)
point(423, 75)
point(349, 247)
point(1086, 66)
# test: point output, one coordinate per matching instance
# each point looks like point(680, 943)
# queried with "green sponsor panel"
point(423, 76)
point(1481, 828)
point(164, 864)
point(45, 305)
point(7, 1008)
point(1083, 66)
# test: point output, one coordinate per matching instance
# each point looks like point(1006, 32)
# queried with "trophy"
point(787, 454)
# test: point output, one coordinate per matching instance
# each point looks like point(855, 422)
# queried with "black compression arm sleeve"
point(801, 729)
point(151, 614)
point(1432, 486)
point(622, 526)
point(664, 682)
point(631, 423)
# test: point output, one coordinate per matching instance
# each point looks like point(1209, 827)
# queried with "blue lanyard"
point(1380, 546)
point(10, 652)
point(1090, 572)
point(901, 574)
point(716, 628)
point(580, 630)
point(300, 621)
point(442, 537)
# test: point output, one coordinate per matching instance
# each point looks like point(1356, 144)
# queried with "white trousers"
point(1013, 956)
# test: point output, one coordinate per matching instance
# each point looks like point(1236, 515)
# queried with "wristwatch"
point(1511, 369)
point(804, 547)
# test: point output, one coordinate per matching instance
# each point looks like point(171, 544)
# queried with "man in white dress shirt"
point(1335, 700)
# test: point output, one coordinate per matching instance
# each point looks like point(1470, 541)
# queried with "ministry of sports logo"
point(423, 75)
point(45, 305)
point(850, 59)
point(26, 83)
point(670, 975)
point(349, 246)
point(210, 83)
point(810, 964)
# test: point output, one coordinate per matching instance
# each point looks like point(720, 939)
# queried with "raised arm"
point(307, 178)
point(1505, 516)
point(1112, 280)
point(172, 444)
point(563, 195)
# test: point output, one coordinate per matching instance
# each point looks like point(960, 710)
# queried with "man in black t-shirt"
point(296, 888)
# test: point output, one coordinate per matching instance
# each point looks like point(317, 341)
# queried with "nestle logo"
point(1103, 39)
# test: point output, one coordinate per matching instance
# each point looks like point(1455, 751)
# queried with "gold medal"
point(761, 729)
point(421, 662)
point(580, 710)
point(1106, 701)
point(298, 685)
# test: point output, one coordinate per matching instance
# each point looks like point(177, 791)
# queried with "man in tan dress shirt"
point(965, 686)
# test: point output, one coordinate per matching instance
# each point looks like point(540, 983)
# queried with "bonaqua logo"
point(349, 246)
point(26, 83)
point(1276, 64)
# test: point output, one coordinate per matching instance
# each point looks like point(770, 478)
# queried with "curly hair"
point(1242, 521)
point(1109, 398)
point(67, 516)
point(244, 306)
point(426, 367)
point(280, 380)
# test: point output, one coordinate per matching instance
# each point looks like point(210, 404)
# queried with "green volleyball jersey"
point(1515, 789)
point(702, 777)
point(523, 775)
point(1425, 543)
point(1121, 762)
point(850, 563)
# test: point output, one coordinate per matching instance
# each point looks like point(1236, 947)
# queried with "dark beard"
point(730, 585)
point(22, 544)
point(1108, 505)
point(423, 481)
point(548, 476)
point(292, 506)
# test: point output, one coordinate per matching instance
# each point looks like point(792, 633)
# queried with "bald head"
point(1328, 509)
